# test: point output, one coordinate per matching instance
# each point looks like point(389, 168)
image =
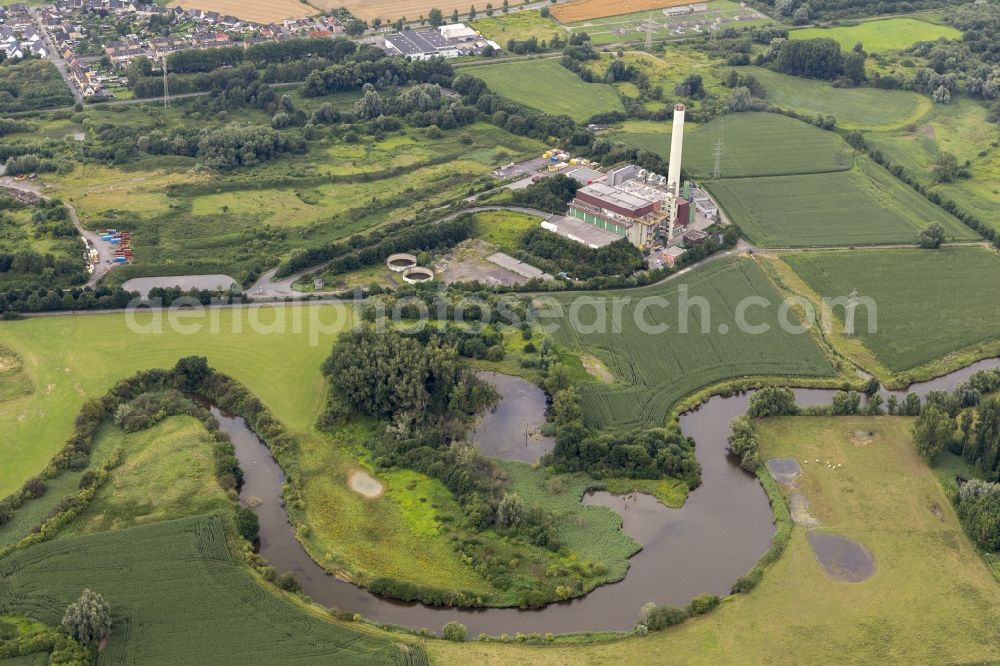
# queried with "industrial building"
point(448, 41)
point(636, 204)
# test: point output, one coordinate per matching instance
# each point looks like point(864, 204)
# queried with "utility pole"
point(166, 85)
point(649, 32)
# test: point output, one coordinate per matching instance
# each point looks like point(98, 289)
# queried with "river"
point(716, 537)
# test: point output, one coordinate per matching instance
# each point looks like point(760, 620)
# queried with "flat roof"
point(411, 42)
point(615, 195)
point(585, 175)
point(581, 232)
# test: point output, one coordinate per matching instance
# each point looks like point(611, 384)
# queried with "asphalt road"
point(55, 56)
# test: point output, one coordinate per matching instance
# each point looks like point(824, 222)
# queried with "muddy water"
point(718, 535)
point(511, 429)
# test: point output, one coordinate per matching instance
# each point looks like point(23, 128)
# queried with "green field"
point(522, 25)
point(883, 35)
point(932, 600)
point(504, 229)
point(864, 206)
point(854, 108)
point(548, 86)
point(70, 359)
point(930, 303)
point(963, 129)
point(179, 597)
point(753, 144)
point(167, 473)
point(655, 370)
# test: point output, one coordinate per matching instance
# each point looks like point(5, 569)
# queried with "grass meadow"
point(548, 86)
point(854, 108)
point(501, 28)
point(863, 206)
point(930, 304)
point(180, 597)
point(931, 600)
point(961, 128)
point(883, 35)
point(654, 371)
point(754, 144)
point(505, 229)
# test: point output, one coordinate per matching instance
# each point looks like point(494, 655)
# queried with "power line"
point(649, 32)
point(166, 85)
point(717, 171)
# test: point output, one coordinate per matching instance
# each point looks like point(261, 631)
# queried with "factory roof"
point(411, 42)
point(615, 195)
point(585, 175)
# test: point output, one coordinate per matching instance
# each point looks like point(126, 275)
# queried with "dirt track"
point(583, 10)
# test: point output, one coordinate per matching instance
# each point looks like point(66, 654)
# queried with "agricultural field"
point(961, 128)
point(881, 35)
point(854, 108)
point(863, 206)
point(261, 11)
point(753, 144)
point(582, 10)
point(390, 10)
point(931, 600)
point(28, 85)
point(955, 309)
point(183, 582)
point(522, 25)
point(548, 86)
point(656, 369)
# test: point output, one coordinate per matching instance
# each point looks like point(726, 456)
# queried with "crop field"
point(963, 130)
point(753, 144)
point(864, 206)
point(179, 597)
point(70, 359)
point(956, 308)
point(390, 10)
point(659, 367)
point(548, 86)
point(854, 108)
point(261, 11)
point(931, 600)
point(582, 10)
point(522, 25)
point(883, 35)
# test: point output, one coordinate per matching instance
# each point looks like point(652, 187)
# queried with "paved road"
point(55, 56)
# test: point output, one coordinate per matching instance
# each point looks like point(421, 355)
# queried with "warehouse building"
point(448, 41)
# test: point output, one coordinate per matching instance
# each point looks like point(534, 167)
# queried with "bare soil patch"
point(596, 368)
point(261, 11)
point(389, 10)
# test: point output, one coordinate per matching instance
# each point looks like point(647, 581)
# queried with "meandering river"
point(716, 537)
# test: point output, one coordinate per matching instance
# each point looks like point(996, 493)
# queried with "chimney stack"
point(676, 149)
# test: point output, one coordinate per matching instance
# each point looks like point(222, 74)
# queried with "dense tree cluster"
point(819, 58)
point(561, 255)
point(263, 54)
point(382, 72)
point(979, 510)
point(549, 194)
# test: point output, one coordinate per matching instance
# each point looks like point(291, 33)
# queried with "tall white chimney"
point(676, 148)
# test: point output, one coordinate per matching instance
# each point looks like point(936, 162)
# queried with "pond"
point(511, 429)
point(716, 537)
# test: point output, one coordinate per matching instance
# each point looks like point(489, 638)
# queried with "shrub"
point(247, 524)
point(454, 631)
point(658, 618)
point(702, 604)
point(89, 618)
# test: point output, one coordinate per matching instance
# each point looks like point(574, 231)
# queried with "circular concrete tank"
point(418, 274)
point(401, 262)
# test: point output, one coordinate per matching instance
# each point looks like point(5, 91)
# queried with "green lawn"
point(179, 597)
point(882, 35)
point(929, 303)
point(548, 86)
point(753, 144)
point(864, 206)
point(854, 108)
point(656, 369)
point(932, 600)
